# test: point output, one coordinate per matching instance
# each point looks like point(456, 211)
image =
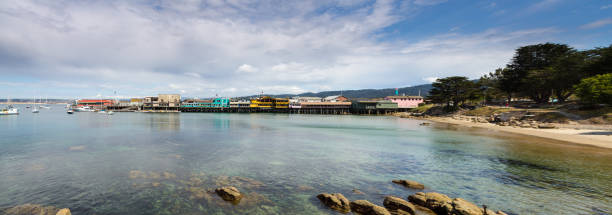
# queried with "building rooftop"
point(404, 97)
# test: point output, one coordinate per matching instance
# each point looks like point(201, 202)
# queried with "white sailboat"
point(34, 109)
point(46, 102)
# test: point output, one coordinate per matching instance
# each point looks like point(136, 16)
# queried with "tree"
point(455, 90)
point(566, 72)
point(502, 81)
point(598, 61)
point(596, 89)
point(531, 66)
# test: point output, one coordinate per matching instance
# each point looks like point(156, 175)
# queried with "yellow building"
point(268, 102)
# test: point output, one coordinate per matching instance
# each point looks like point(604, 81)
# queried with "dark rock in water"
point(229, 194)
point(335, 201)
point(410, 184)
point(358, 192)
point(394, 203)
point(32, 209)
point(418, 199)
point(365, 207)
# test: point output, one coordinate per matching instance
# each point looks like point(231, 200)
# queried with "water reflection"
point(164, 121)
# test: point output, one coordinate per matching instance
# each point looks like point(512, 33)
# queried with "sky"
point(205, 48)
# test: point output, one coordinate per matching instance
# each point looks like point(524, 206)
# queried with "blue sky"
point(203, 48)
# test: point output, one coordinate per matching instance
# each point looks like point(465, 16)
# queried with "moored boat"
point(70, 111)
point(10, 110)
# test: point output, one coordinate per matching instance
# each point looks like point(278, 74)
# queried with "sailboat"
point(45, 106)
point(9, 110)
point(34, 109)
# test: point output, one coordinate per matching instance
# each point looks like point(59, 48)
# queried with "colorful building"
point(268, 102)
point(221, 103)
point(406, 101)
point(197, 103)
point(94, 102)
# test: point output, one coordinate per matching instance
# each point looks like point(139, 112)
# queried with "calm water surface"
point(138, 163)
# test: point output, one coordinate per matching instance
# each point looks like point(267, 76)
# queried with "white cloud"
point(247, 68)
point(597, 24)
point(430, 79)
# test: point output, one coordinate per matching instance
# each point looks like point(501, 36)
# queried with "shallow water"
point(140, 163)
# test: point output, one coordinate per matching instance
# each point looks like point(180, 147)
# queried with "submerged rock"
point(394, 203)
point(134, 174)
point(358, 192)
point(335, 201)
point(364, 207)
point(31, 209)
point(410, 184)
point(229, 194)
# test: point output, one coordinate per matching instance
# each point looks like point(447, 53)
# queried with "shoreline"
point(587, 137)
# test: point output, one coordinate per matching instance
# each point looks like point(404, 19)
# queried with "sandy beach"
point(592, 137)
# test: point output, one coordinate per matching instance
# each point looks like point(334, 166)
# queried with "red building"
point(94, 102)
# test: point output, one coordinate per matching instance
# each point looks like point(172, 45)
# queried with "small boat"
point(27, 106)
point(84, 109)
point(35, 110)
point(70, 111)
point(110, 112)
point(45, 107)
point(10, 110)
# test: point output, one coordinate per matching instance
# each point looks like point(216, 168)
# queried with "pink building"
point(406, 101)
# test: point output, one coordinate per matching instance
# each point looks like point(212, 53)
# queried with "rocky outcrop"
point(34, 209)
point(335, 201)
point(461, 206)
point(393, 203)
point(418, 199)
point(410, 184)
point(229, 194)
point(365, 207)
point(437, 202)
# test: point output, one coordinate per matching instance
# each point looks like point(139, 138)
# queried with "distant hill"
point(367, 93)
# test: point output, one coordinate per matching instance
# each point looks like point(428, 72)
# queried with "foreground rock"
point(444, 205)
point(229, 194)
point(335, 201)
point(365, 207)
point(410, 184)
point(461, 206)
point(394, 204)
point(34, 209)
point(437, 202)
point(64, 211)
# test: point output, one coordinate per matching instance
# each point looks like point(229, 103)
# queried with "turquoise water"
point(140, 163)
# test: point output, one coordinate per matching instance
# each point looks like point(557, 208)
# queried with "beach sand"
point(592, 137)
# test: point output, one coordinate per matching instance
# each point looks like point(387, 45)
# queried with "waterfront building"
point(150, 102)
point(95, 103)
point(137, 102)
point(338, 98)
point(405, 102)
point(323, 108)
point(374, 107)
point(239, 104)
point(267, 102)
point(169, 100)
point(197, 103)
point(221, 103)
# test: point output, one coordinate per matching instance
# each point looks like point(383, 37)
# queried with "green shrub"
point(595, 90)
